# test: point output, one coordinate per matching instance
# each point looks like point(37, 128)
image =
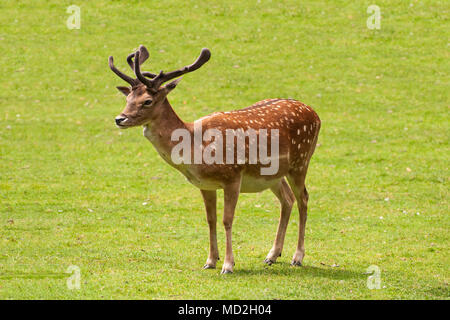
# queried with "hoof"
point(268, 262)
point(296, 264)
point(226, 271)
point(207, 266)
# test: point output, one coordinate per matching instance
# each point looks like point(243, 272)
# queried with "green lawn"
point(75, 190)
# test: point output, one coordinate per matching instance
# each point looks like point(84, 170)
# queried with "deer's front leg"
point(231, 195)
point(209, 198)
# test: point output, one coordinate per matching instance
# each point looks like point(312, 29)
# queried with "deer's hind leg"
point(286, 197)
point(296, 178)
point(297, 183)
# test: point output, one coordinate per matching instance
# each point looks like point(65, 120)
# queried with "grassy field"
point(74, 190)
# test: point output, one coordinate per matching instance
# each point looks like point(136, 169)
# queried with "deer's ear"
point(125, 90)
point(171, 85)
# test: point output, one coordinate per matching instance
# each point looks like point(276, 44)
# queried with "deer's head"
point(148, 91)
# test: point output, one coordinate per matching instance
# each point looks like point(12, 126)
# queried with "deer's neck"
point(159, 131)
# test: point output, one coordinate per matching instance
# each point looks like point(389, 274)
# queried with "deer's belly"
point(201, 182)
point(249, 183)
point(252, 184)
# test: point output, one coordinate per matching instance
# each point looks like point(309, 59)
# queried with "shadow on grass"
point(304, 271)
point(440, 292)
point(32, 275)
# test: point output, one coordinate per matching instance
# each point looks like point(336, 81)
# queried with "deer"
point(297, 128)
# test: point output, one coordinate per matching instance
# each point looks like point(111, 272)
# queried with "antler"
point(122, 75)
point(162, 77)
point(137, 71)
point(155, 81)
point(142, 57)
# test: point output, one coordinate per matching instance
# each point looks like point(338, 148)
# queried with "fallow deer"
point(297, 125)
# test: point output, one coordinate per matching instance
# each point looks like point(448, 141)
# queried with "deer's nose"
point(119, 119)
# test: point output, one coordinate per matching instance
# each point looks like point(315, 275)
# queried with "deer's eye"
point(148, 102)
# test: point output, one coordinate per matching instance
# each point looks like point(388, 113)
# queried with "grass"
point(72, 186)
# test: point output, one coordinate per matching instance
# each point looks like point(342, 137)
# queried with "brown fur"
point(298, 127)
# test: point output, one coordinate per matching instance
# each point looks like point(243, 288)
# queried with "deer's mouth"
point(122, 122)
